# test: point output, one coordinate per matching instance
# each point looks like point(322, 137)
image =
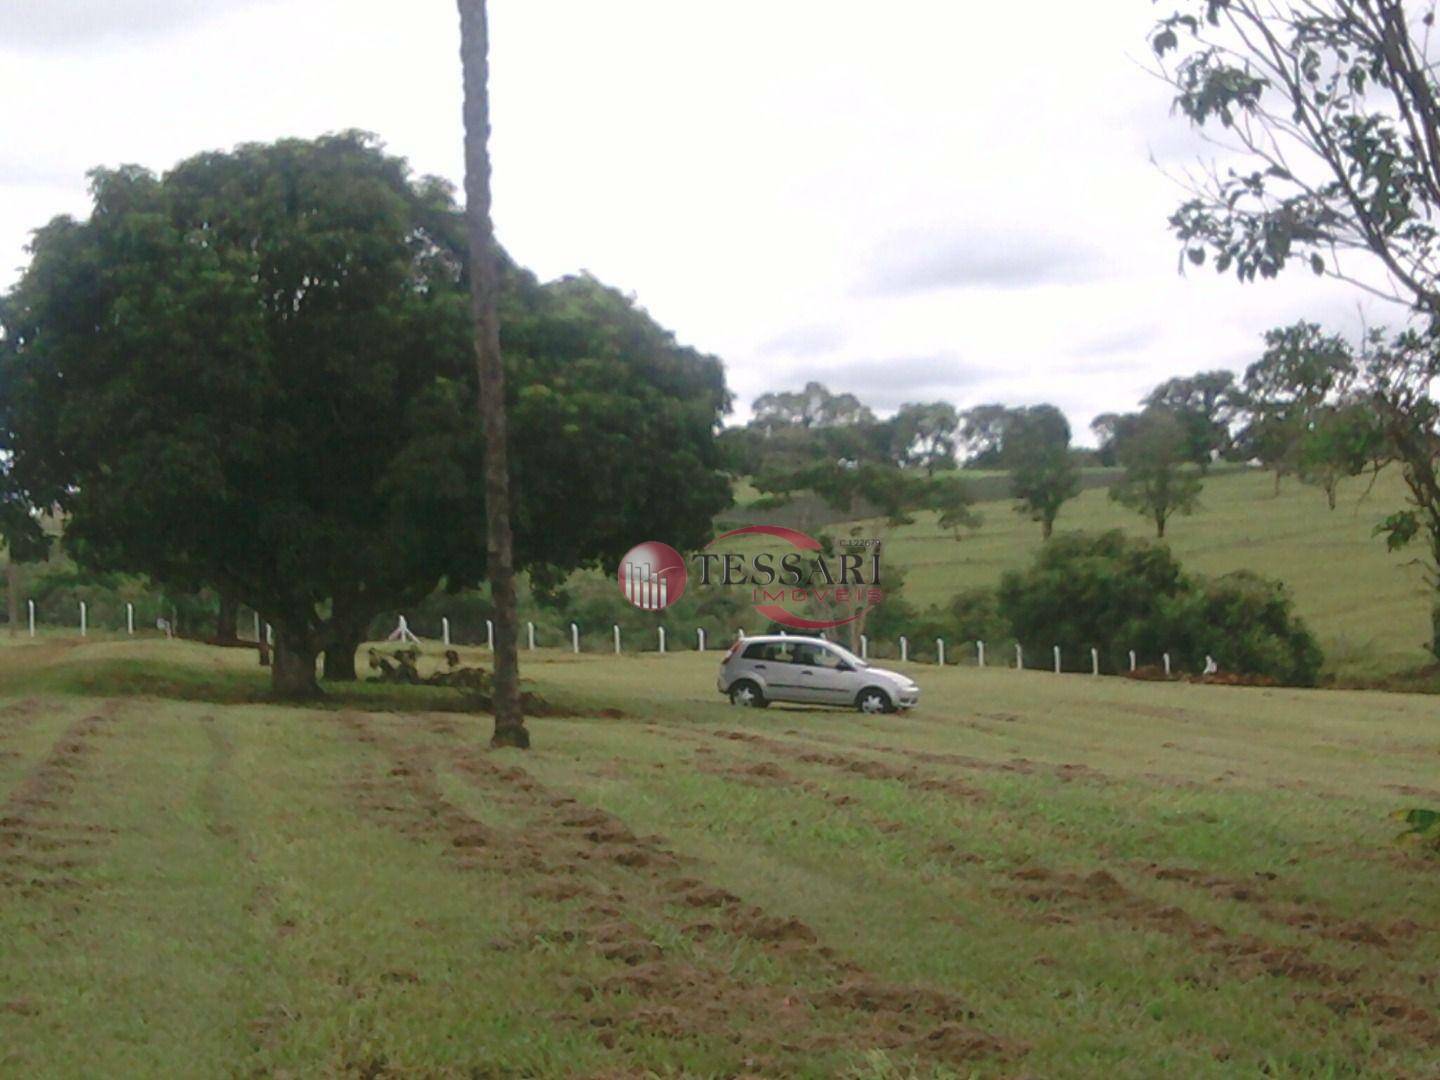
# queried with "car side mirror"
point(843, 666)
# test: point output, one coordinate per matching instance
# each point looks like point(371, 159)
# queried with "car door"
point(812, 673)
point(835, 681)
point(782, 673)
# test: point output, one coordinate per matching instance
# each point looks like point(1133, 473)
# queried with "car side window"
point(813, 656)
point(757, 651)
point(826, 659)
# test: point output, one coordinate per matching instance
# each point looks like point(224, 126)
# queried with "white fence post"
point(269, 634)
point(82, 618)
point(700, 636)
point(904, 648)
point(1132, 659)
point(662, 639)
point(256, 615)
point(1094, 661)
point(1167, 663)
point(32, 617)
point(864, 647)
point(617, 639)
point(130, 619)
point(980, 652)
point(445, 629)
point(490, 635)
point(740, 634)
point(1057, 659)
point(940, 651)
point(1019, 658)
point(530, 632)
point(574, 637)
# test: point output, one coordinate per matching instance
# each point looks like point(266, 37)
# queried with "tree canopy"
point(1155, 450)
point(255, 373)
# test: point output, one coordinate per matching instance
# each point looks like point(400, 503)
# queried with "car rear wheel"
point(873, 700)
point(747, 695)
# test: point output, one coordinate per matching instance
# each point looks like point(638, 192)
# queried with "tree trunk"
point(292, 675)
point(12, 595)
point(1047, 526)
point(1159, 527)
point(225, 621)
point(484, 284)
point(339, 660)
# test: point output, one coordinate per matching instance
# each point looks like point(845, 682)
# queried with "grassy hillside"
point(1368, 607)
point(1033, 875)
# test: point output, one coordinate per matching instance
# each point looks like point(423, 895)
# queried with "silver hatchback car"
point(759, 670)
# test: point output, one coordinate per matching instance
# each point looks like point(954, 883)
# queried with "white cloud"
point(808, 189)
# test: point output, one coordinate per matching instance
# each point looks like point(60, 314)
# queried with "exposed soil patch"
point(1070, 897)
point(866, 768)
point(38, 851)
point(634, 883)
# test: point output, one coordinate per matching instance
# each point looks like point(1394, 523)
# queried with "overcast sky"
point(920, 200)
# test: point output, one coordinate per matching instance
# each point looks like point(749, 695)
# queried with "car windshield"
point(848, 656)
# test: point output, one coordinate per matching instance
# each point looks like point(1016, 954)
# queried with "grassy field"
point(1369, 608)
point(1032, 876)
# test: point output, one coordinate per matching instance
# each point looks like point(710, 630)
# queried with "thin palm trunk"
point(484, 284)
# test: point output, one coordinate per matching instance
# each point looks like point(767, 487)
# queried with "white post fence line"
point(702, 639)
point(32, 617)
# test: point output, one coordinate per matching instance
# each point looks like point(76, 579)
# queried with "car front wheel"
point(873, 701)
point(747, 695)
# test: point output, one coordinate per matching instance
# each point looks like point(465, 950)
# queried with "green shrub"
point(1247, 624)
point(1112, 593)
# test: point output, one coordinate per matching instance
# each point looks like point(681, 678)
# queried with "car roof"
point(766, 639)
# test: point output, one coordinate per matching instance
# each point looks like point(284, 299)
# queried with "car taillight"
point(730, 655)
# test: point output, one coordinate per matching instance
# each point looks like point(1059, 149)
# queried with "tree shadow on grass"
point(186, 682)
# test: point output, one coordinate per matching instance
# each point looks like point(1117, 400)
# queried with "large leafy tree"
point(1159, 482)
point(257, 374)
point(1043, 473)
point(924, 435)
point(1204, 405)
point(1332, 110)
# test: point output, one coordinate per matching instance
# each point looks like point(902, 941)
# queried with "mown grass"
point(1032, 875)
point(1369, 608)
